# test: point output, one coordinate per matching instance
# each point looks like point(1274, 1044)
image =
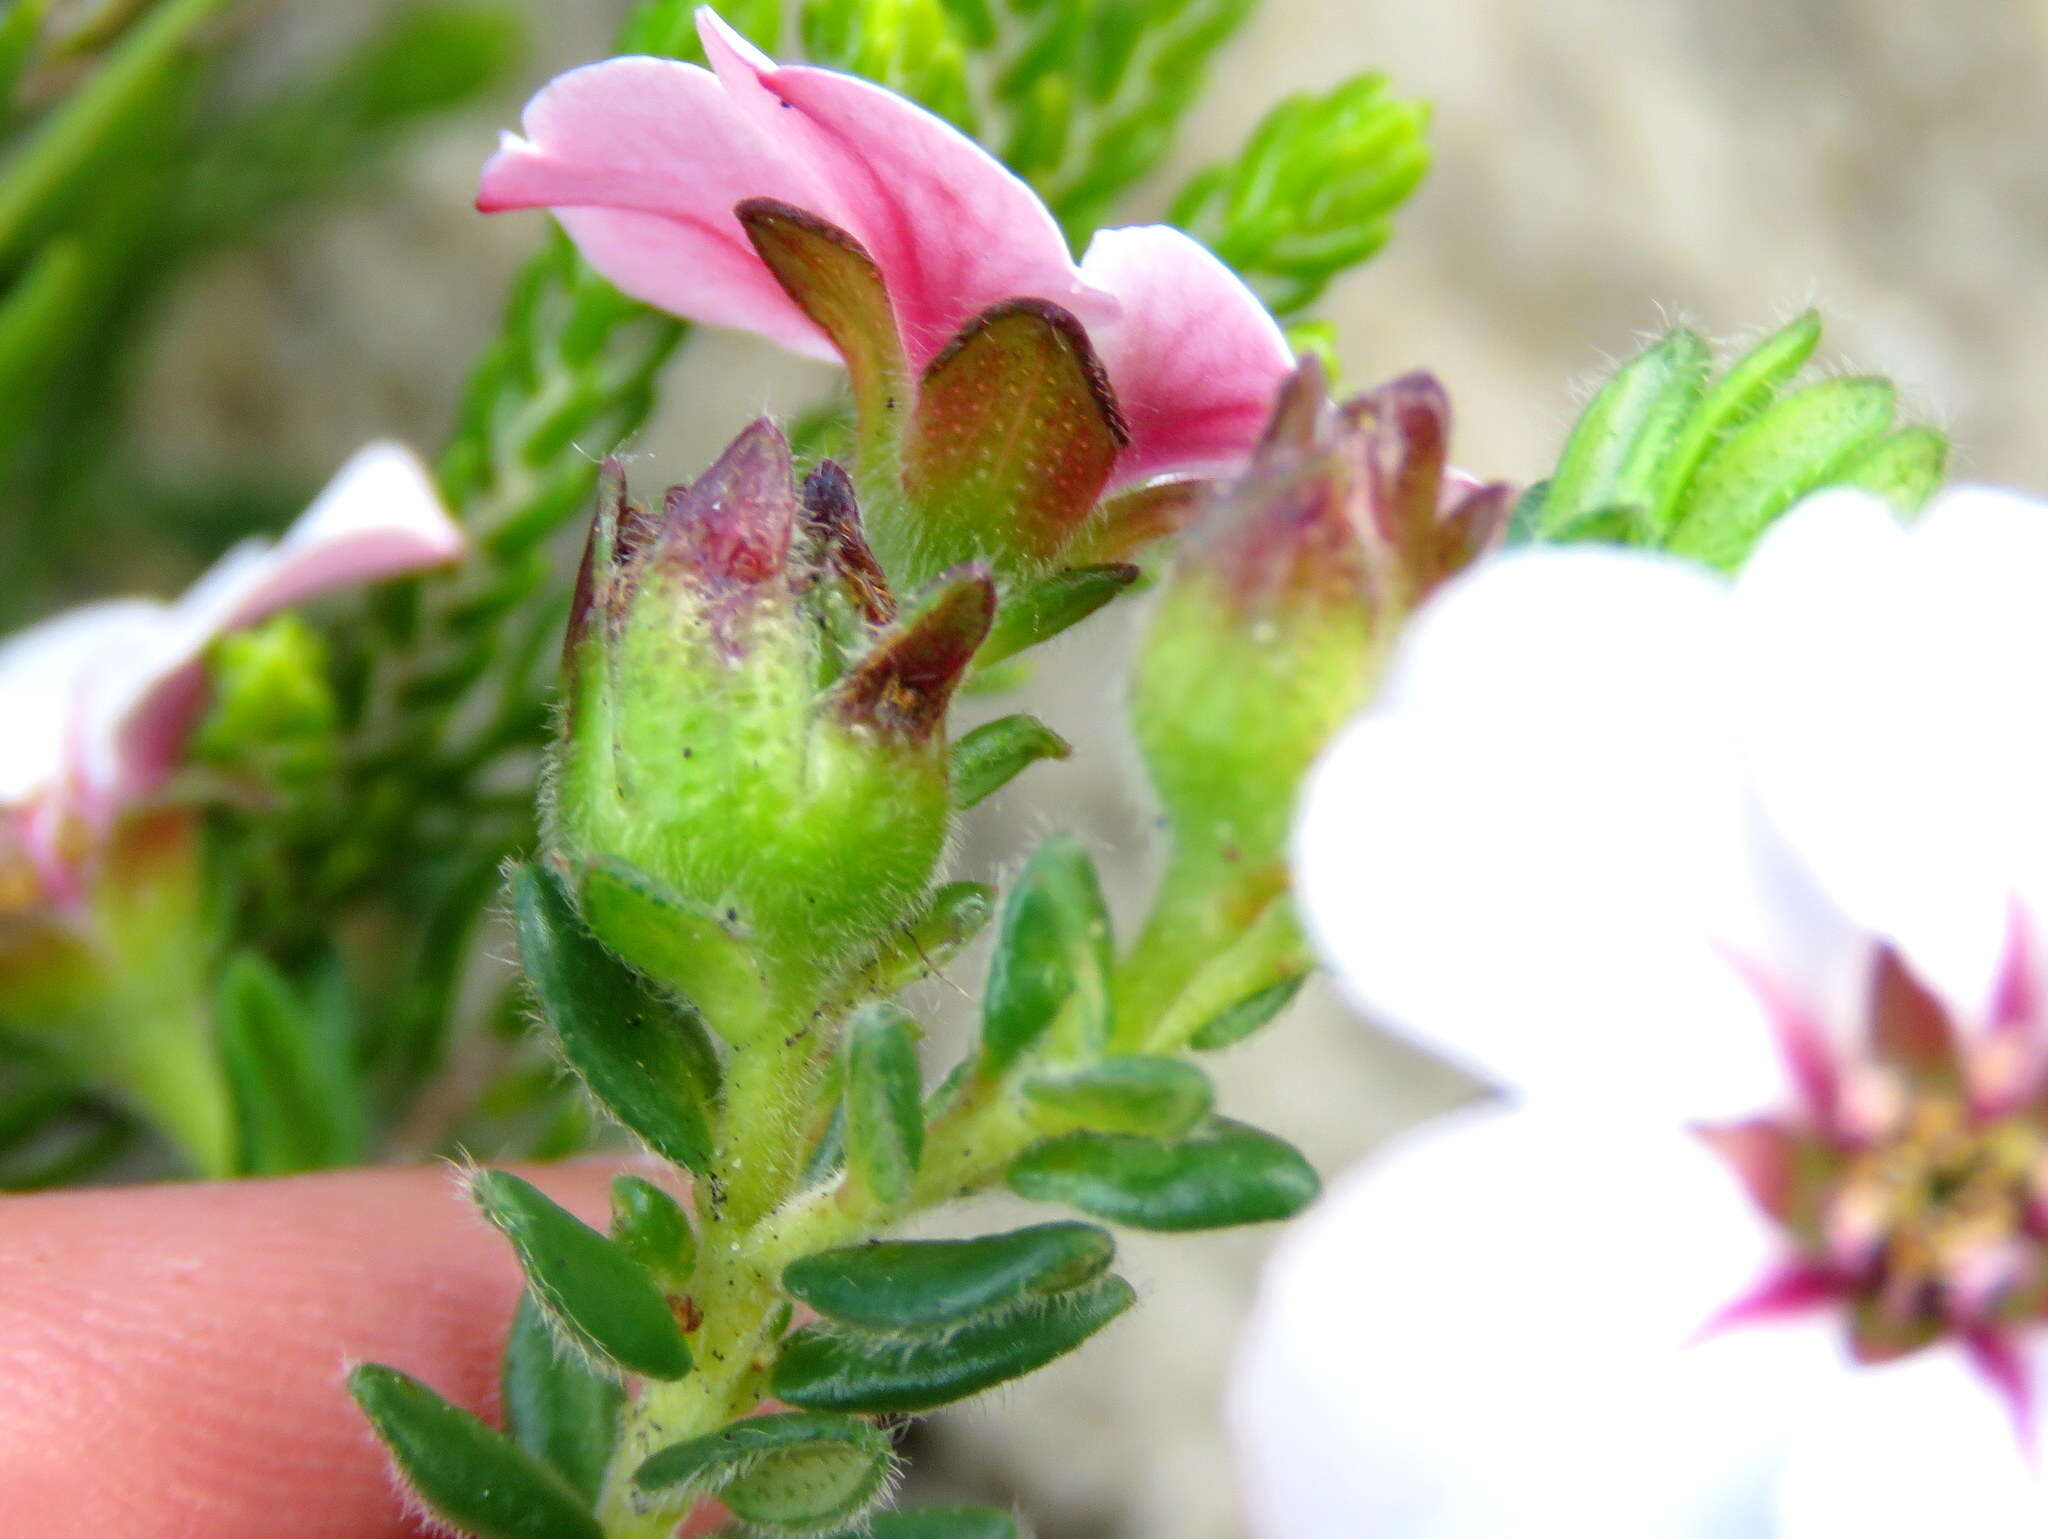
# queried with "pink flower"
point(645, 160)
point(98, 701)
point(1737, 891)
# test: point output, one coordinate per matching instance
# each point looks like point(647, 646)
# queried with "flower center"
point(1936, 1216)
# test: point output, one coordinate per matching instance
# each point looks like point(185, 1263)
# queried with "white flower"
point(97, 701)
point(1757, 1244)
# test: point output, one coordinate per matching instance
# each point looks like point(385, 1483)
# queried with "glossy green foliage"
point(920, 1285)
point(793, 1472)
point(602, 1301)
point(1038, 609)
point(556, 1406)
point(1223, 1174)
point(1671, 456)
point(1314, 191)
point(1054, 953)
point(299, 1102)
point(884, 1102)
point(476, 1480)
point(836, 1369)
point(1240, 1020)
point(1154, 1097)
point(997, 752)
point(642, 1058)
point(652, 1228)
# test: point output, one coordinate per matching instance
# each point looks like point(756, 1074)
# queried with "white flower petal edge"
point(1907, 1451)
point(1892, 682)
point(1491, 1330)
point(99, 699)
point(1532, 856)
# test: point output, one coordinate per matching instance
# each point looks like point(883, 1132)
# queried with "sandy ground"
point(1602, 166)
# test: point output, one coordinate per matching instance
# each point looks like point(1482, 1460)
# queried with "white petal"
point(1914, 1449)
point(1491, 1332)
point(1898, 729)
point(45, 677)
point(1538, 858)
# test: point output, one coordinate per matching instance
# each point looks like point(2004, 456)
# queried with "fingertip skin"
point(171, 1357)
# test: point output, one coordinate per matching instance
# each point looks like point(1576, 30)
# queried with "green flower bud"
point(750, 783)
point(1277, 611)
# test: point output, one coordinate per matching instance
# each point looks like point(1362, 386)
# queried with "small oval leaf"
point(1155, 1097)
point(467, 1474)
point(630, 1047)
point(600, 1298)
point(1224, 1174)
point(793, 1472)
point(651, 1227)
point(844, 1370)
point(556, 1408)
point(884, 1101)
point(997, 752)
point(920, 1284)
point(1055, 942)
point(1247, 1015)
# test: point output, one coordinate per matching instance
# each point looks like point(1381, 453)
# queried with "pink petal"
point(643, 160)
point(1193, 356)
point(951, 228)
point(380, 516)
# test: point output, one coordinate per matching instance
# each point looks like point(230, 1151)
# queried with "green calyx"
point(751, 782)
point(1282, 601)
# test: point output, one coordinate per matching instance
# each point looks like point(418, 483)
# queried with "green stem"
point(69, 137)
point(1203, 903)
point(163, 1060)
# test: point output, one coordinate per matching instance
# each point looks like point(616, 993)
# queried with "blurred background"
point(1602, 168)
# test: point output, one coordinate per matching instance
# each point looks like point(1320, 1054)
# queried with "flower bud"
point(750, 783)
point(1282, 602)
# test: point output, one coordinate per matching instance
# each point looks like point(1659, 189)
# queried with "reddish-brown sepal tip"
point(903, 686)
point(733, 525)
point(839, 549)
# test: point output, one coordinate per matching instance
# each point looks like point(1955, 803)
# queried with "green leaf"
point(1798, 443)
point(954, 916)
point(643, 1059)
point(913, 1285)
point(1154, 1097)
point(556, 1408)
point(651, 1227)
point(676, 943)
point(1314, 190)
point(1904, 467)
point(1739, 394)
point(1037, 611)
point(1014, 437)
point(884, 1102)
point(298, 1101)
point(793, 1472)
point(945, 1523)
point(1247, 1015)
point(471, 1477)
point(996, 752)
point(1626, 432)
point(1225, 1174)
point(1055, 944)
point(842, 1370)
point(600, 1298)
